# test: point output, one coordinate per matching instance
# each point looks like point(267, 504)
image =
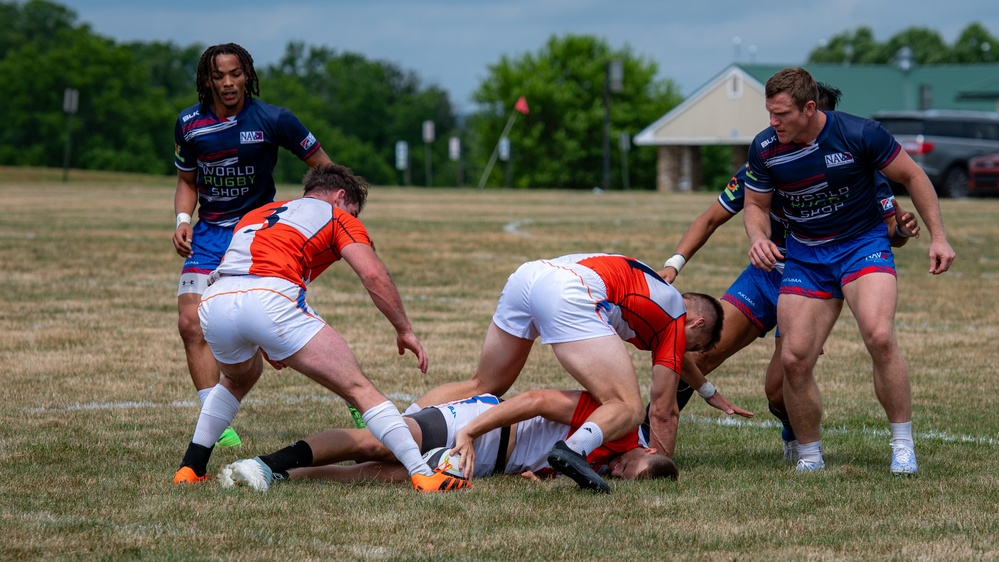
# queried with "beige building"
point(728, 110)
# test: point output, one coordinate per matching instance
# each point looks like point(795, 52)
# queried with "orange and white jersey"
point(294, 240)
point(643, 309)
point(583, 296)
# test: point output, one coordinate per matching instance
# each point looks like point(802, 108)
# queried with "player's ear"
point(651, 450)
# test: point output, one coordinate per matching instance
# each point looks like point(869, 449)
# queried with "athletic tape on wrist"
point(676, 262)
point(707, 390)
point(183, 217)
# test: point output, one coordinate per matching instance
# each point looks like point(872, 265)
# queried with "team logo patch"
point(838, 159)
point(176, 153)
point(251, 137)
point(886, 205)
point(308, 141)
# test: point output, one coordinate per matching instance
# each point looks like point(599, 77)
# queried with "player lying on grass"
point(587, 307)
point(509, 437)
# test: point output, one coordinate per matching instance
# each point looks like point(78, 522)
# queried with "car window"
point(949, 128)
point(897, 126)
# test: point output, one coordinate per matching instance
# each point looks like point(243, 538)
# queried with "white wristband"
point(183, 217)
point(676, 262)
point(707, 390)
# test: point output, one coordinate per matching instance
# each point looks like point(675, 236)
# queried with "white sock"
point(587, 438)
point(217, 413)
point(901, 434)
point(387, 425)
point(203, 394)
point(810, 452)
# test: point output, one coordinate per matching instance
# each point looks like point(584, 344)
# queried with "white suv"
point(943, 141)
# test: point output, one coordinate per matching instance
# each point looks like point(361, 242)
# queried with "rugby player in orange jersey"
point(586, 306)
point(255, 305)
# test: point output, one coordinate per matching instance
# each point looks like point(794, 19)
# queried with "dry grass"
point(97, 407)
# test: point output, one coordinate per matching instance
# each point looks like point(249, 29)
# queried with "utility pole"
point(613, 83)
point(70, 101)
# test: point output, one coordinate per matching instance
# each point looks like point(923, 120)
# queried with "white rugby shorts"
point(240, 313)
point(558, 301)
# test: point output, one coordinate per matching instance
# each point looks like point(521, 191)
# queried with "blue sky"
point(451, 43)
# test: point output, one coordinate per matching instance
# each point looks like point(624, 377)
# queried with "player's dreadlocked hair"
point(207, 64)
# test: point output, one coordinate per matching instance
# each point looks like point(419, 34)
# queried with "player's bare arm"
point(377, 281)
point(184, 202)
point(554, 405)
point(902, 226)
point(318, 158)
point(905, 171)
point(763, 253)
point(664, 414)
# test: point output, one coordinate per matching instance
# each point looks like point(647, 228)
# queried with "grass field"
point(97, 406)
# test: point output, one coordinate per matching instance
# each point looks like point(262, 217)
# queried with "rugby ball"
point(440, 459)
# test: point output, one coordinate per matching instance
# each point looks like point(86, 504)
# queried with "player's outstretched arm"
point(377, 281)
point(697, 234)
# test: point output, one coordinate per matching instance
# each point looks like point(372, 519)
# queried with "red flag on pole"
point(521, 105)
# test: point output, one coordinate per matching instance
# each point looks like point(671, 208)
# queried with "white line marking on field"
point(934, 435)
point(407, 398)
point(513, 227)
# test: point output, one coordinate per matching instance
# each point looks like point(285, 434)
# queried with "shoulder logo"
point(188, 117)
point(308, 141)
point(251, 137)
point(838, 159)
point(770, 140)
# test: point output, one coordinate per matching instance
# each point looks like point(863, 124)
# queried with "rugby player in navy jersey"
point(750, 303)
point(226, 147)
point(821, 168)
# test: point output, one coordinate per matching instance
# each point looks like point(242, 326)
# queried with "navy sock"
point(296, 455)
point(197, 457)
point(788, 433)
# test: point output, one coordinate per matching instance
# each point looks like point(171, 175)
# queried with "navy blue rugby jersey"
point(828, 189)
point(235, 157)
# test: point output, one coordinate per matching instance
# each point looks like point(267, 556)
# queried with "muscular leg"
point(328, 360)
point(603, 366)
point(502, 359)
point(200, 362)
point(872, 299)
point(773, 386)
point(338, 445)
point(805, 324)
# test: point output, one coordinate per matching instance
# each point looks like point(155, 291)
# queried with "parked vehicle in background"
point(943, 142)
point(983, 174)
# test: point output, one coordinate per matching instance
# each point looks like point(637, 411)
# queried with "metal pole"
point(492, 159)
point(607, 178)
point(69, 142)
point(70, 101)
point(427, 164)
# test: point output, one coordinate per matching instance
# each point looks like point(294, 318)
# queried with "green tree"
point(975, 44)
point(359, 108)
point(559, 143)
point(121, 118)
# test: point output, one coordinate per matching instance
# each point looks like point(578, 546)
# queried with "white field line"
point(933, 434)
